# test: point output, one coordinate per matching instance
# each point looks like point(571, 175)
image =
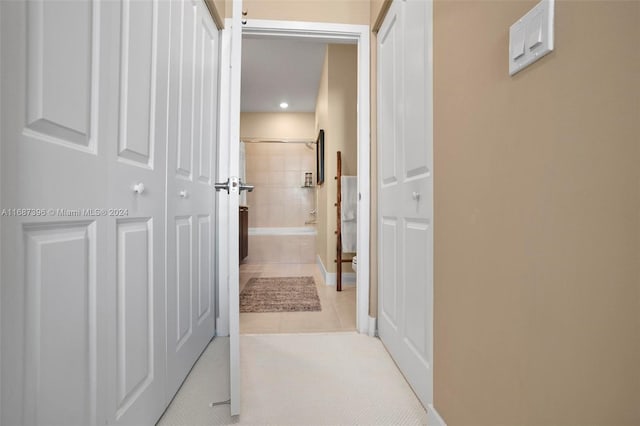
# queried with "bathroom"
point(298, 99)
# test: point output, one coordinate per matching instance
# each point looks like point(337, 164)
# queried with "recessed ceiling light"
point(284, 105)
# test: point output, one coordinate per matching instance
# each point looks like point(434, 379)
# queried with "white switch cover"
point(517, 43)
point(532, 35)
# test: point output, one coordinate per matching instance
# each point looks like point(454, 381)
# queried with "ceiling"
point(280, 70)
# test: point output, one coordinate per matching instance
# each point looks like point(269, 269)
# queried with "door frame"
point(2, 206)
point(331, 33)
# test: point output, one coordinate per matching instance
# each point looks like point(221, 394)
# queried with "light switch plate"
point(535, 31)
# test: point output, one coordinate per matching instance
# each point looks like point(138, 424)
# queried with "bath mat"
point(280, 294)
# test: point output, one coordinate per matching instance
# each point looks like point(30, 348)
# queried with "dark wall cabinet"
point(244, 232)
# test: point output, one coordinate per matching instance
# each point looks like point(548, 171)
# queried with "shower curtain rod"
point(259, 140)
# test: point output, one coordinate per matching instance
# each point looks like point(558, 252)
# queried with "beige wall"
point(345, 12)
point(221, 8)
point(537, 209)
point(220, 5)
point(336, 112)
point(216, 9)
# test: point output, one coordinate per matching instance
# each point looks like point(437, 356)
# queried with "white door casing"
point(405, 206)
point(192, 145)
point(232, 247)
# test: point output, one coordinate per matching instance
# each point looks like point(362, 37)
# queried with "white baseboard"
point(433, 418)
point(330, 277)
point(373, 326)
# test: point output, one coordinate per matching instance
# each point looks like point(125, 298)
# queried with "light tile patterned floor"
point(338, 308)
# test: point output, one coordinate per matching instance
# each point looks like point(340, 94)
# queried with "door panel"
point(135, 305)
point(53, 268)
point(185, 117)
point(60, 271)
point(406, 191)
point(136, 176)
point(183, 274)
point(389, 270)
point(137, 76)
point(192, 141)
point(205, 277)
point(85, 134)
point(388, 99)
point(60, 91)
point(416, 269)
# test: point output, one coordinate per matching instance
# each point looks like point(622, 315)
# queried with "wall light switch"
point(517, 46)
point(533, 35)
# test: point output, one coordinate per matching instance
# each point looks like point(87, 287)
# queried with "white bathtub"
point(305, 230)
point(282, 245)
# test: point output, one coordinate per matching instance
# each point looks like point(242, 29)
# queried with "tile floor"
point(338, 308)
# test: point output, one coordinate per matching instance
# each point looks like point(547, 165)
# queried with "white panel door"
point(55, 286)
point(192, 147)
point(136, 168)
point(405, 217)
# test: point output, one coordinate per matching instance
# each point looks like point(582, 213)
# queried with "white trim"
point(323, 271)
point(330, 278)
point(373, 326)
point(327, 31)
point(235, 64)
point(364, 184)
point(341, 33)
point(283, 231)
point(222, 322)
point(433, 417)
point(1, 206)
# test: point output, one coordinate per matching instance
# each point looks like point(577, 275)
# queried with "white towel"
point(349, 209)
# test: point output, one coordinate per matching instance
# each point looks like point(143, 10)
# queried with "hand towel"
point(349, 210)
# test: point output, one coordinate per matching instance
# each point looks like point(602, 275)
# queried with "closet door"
point(56, 298)
point(136, 168)
point(405, 170)
point(192, 145)
point(83, 296)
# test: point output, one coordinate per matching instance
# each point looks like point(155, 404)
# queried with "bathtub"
point(282, 245)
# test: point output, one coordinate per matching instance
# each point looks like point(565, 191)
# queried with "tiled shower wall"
point(277, 171)
point(279, 201)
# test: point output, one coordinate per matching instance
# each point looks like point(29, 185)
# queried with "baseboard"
point(373, 326)
point(330, 277)
point(433, 418)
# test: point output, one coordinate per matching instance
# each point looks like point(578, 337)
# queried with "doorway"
point(334, 34)
point(298, 109)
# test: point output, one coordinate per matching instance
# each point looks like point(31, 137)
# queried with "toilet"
point(354, 263)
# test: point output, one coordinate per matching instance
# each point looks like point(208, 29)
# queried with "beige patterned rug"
point(280, 294)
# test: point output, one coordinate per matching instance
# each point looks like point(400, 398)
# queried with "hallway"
point(299, 379)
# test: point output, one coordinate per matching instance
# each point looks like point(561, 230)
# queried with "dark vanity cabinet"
point(244, 232)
